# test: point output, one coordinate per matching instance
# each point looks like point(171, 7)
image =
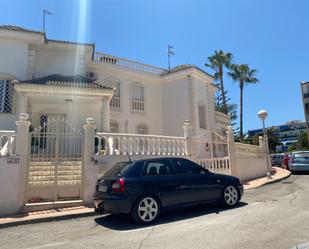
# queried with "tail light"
point(118, 186)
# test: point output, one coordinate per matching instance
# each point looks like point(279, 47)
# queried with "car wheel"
point(146, 210)
point(230, 196)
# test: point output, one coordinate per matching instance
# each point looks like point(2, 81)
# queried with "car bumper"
point(115, 204)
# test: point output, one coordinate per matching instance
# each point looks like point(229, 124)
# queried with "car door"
point(196, 183)
point(159, 178)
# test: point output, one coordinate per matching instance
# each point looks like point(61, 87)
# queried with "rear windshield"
point(302, 156)
point(119, 169)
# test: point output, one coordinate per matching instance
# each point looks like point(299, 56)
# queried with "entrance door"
point(55, 164)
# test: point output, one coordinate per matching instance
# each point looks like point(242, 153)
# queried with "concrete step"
point(42, 206)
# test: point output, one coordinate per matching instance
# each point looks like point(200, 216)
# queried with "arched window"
point(138, 97)
point(6, 96)
point(202, 115)
point(142, 129)
point(115, 101)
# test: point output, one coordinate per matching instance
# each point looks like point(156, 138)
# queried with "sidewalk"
point(277, 175)
point(82, 211)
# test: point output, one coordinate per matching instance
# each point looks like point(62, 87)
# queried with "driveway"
point(273, 216)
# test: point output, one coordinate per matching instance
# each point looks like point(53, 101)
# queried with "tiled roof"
point(183, 67)
point(61, 80)
point(70, 42)
point(19, 29)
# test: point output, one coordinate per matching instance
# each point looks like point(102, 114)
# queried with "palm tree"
point(217, 62)
point(244, 75)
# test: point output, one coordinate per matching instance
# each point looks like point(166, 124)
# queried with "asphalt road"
point(273, 216)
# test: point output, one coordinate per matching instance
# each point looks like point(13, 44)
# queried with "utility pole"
point(170, 52)
point(45, 12)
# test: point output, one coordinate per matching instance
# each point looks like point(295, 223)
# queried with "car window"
point(157, 168)
point(302, 156)
point(186, 167)
point(119, 169)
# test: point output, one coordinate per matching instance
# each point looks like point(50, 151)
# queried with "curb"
point(47, 219)
point(271, 182)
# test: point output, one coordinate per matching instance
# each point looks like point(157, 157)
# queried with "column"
point(23, 103)
point(188, 134)
point(89, 172)
point(105, 114)
point(231, 150)
point(22, 146)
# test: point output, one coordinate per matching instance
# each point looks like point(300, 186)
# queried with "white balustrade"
point(115, 102)
point(135, 144)
point(7, 143)
point(221, 165)
point(248, 151)
point(138, 105)
point(127, 64)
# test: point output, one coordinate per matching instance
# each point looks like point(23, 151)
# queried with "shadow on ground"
point(124, 222)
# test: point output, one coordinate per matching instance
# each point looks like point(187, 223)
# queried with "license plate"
point(102, 188)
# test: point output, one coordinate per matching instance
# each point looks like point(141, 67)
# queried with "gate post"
point(231, 150)
point(22, 150)
point(89, 172)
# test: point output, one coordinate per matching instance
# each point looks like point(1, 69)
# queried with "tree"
point(273, 139)
point(217, 62)
point(244, 75)
point(231, 107)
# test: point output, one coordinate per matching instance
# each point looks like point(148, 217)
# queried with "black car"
point(144, 188)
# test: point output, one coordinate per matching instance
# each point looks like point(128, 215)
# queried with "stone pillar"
point(22, 150)
point(89, 172)
point(23, 103)
point(231, 150)
point(188, 135)
point(261, 142)
point(105, 114)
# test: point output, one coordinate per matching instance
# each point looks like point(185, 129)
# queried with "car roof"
point(156, 158)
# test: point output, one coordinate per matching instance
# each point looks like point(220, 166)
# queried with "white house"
point(46, 78)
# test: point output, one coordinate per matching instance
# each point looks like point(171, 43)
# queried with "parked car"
point(299, 161)
point(276, 159)
point(285, 161)
point(144, 188)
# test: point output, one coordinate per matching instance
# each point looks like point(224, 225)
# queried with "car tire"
point(230, 196)
point(146, 209)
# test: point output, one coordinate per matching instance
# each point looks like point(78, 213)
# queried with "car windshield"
point(302, 156)
point(119, 169)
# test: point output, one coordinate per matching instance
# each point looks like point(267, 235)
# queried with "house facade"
point(50, 79)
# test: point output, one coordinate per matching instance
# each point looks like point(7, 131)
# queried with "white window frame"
point(137, 104)
point(201, 108)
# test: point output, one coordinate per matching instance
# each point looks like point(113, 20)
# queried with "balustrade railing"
point(128, 64)
point(138, 105)
point(134, 144)
point(7, 143)
point(249, 151)
point(221, 164)
point(115, 102)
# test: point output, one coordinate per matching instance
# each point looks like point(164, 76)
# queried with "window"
point(158, 168)
point(186, 167)
point(114, 126)
point(138, 97)
point(202, 115)
point(142, 129)
point(6, 96)
point(115, 101)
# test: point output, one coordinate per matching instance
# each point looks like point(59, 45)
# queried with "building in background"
point(305, 96)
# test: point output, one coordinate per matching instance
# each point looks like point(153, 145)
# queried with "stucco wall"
point(13, 58)
point(9, 187)
point(250, 168)
point(175, 108)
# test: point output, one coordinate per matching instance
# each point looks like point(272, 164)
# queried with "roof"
point(184, 67)
point(22, 29)
point(62, 80)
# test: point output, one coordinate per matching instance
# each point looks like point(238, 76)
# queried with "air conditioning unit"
point(92, 75)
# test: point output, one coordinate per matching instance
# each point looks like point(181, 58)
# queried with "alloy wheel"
point(148, 209)
point(230, 195)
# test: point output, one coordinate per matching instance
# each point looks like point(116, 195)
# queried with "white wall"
point(250, 168)
point(9, 187)
point(14, 58)
point(175, 106)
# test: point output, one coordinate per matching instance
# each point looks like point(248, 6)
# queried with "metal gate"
point(55, 165)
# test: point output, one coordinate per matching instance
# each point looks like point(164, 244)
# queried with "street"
point(273, 216)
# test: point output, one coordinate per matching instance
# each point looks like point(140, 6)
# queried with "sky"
point(269, 35)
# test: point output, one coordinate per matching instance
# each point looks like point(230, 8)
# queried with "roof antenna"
point(170, 52)
point(45, 12)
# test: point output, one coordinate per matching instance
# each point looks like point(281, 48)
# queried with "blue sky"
point(270, 35)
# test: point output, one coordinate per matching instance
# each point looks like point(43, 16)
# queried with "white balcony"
point(138, 105)
point(115, 103)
